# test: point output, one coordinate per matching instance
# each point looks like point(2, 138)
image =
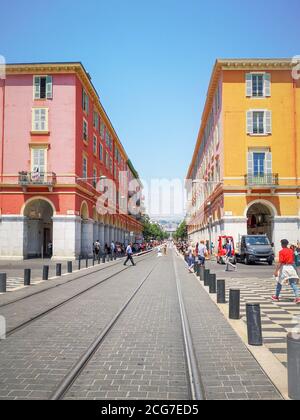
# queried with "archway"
point(39, 241)
point(260, 220)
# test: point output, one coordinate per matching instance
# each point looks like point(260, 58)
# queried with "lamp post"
point(209, 227)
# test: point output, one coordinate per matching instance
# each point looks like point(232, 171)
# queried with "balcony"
point(37, 179)
point(263, 180)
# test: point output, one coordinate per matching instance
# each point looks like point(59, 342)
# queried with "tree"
point(181, 232)
point(152, 230)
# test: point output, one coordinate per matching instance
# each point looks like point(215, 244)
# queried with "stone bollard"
point(221, 291)
point(27, 277)
point(70, 267)
point(3, 281)
point(234, 303)
point(206, 277)
point(293, 349)
point(58, 270)
point(212, 284)
point(201, 272)
point(254, 326)
point(46, 272)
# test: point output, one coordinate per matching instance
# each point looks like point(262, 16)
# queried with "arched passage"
point(39, 243)
point(260, 220)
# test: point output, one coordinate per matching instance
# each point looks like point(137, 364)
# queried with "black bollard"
point(70, 267)
point(58, 270)
point(79, 263)
point(27, 277)
point(212, 284)
point(196, 268)
point(221, 291)
point(206, 277)
point(3, 280)
point(254, 324)
point(103, 259)
point(201, 271)
point(46, 272)
point(93, 260)
point(234, 304)
point(293, 349)
point(98, 259)
point(87, 262)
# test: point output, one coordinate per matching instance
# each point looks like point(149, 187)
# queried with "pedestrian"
point(129, 253)
point(202, 253)
point(228, 256)
point(113, 249)
point(97, 248)
point(286, 272)
point(191, 260)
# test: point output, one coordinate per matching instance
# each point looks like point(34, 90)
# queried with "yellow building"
point(245, 171)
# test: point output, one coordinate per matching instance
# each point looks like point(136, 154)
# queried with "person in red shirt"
point(286, 271)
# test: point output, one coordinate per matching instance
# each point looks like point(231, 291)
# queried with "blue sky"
point(150, 61)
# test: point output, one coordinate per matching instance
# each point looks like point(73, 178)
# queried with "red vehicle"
point(222, 242)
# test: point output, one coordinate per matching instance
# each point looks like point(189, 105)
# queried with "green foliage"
point(153, 231)
point(181, 232)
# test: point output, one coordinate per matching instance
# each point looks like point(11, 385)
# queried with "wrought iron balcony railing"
point(263, 180)
point(27, 179)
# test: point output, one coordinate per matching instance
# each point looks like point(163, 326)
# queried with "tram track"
point(66, 301)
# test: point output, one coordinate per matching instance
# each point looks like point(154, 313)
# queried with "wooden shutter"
point(268, 122)
point(49, 88)
point(267, 84)
point(250, 164)
point(37, 87)
point(249, 122)
point(249, 91)
point(268, 163)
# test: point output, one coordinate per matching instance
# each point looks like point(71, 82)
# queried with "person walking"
point(229, 249)
point(97, 248)
point(113, 249)
point(202, 253)
point(191, 259)
point(129, 253)
point(286, 272)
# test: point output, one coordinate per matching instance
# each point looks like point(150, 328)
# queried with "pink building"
point(56, 143)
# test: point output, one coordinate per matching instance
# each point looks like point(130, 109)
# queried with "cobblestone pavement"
point(228, 369)
point(278, 319)
point(143, 355)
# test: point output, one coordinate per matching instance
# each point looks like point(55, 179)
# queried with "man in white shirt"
point(129, 253)
point(202, 253)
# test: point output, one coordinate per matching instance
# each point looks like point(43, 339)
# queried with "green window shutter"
point(249, 122)
point(249, 85)
point(268, 122)
point(37, 87)
point(49, 88)
point(267, 84)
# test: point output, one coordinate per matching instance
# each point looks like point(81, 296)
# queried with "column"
point(66, 237)
point(13, 237)
point(106, 234)
point(87, 238)
point(102, 236)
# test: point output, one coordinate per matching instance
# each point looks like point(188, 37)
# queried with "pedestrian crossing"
point(278, 318)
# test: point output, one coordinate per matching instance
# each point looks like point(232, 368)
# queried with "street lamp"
point(209, 226)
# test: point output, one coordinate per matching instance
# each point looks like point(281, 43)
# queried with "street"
point(135, 316)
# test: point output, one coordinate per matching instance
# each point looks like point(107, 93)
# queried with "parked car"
point(255, 248)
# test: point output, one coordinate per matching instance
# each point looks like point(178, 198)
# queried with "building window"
point(38, 160)
point(84, 167)
point(106, 159)
point(96, 120)
point(95, 178)
point(85, 131)
point(43, 87)
point(85, 101)
point(102, 130)
point(259, 122)
point(258, 85)
point(259, 163)
point(40, 119)
point(95, 145)
point(100, 152)
point(111, 165)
